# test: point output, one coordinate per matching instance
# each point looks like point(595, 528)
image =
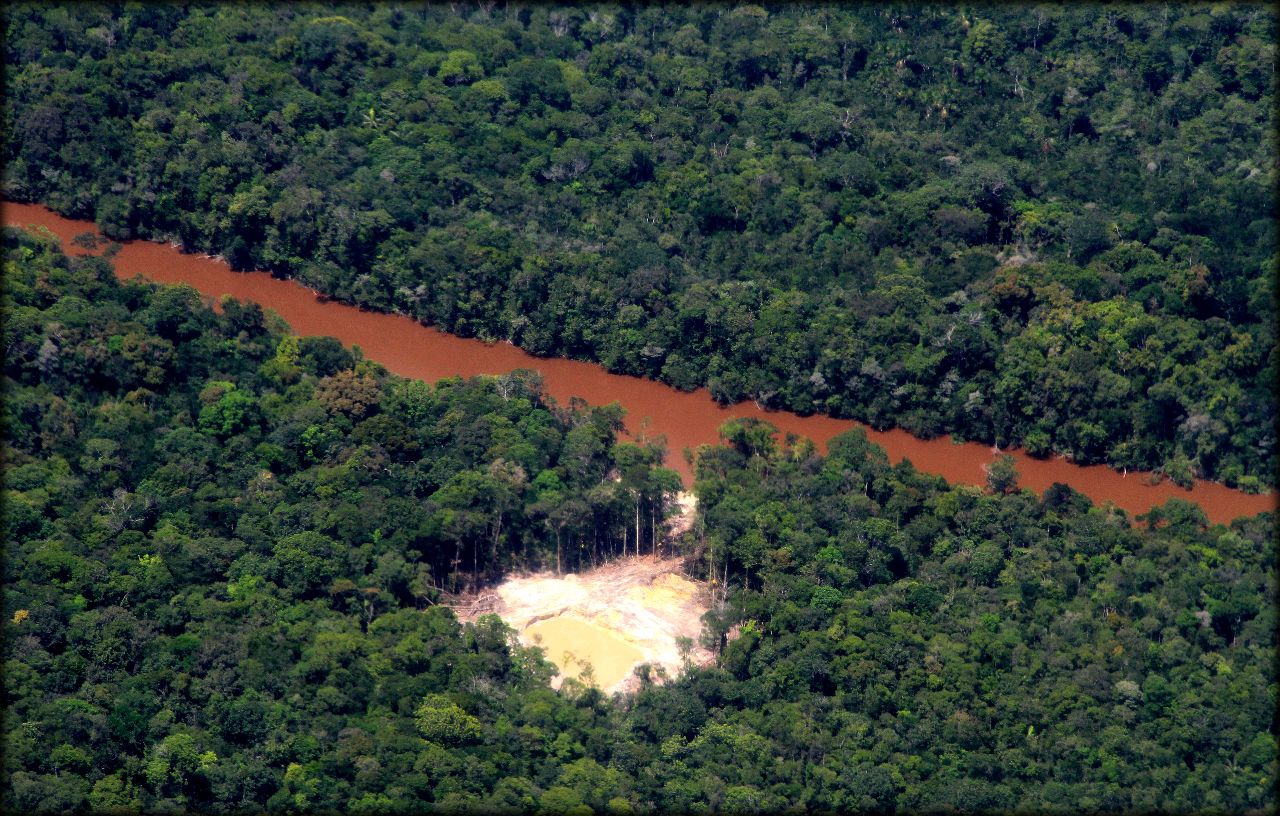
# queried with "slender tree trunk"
point(637, 524)
point(653, 528)
point(457, 562)
point(493, 548)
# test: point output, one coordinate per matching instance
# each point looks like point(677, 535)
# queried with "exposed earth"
point(614, 618)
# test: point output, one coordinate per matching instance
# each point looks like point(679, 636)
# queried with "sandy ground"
point(681, 523)
point(644, 602)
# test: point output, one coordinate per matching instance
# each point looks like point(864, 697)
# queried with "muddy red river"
point(687, 420)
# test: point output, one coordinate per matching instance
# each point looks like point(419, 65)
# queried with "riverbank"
point(686, 419)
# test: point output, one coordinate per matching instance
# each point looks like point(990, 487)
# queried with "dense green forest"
point(1040, 225)
point(225, 549)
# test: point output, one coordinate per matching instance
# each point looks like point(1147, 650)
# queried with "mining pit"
point(612, 619)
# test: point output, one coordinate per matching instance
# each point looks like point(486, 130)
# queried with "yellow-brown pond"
point(570, 643)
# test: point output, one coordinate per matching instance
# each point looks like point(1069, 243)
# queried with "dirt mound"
point(635, 606)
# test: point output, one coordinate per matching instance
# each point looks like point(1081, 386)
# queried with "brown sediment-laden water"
point(686, 419)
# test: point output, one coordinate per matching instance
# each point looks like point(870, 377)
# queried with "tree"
point(233, 412)
point(442, 721)
point(175, 762)
point(749, 436)
point(1002, 474)
point(349, 393)
point(460, 67)
point(305, 561)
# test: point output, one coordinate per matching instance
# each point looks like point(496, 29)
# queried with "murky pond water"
point(571, 643)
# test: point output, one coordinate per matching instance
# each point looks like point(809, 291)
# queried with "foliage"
point(901, 644)
point(216, 617)
point(224, 570)
point(1002, 474)
point(1047, 226)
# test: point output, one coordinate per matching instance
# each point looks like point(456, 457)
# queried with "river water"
point(687, 420)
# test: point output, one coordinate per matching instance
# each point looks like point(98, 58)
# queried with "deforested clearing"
point(616, 617)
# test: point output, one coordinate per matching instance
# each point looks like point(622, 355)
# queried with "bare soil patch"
point(645, 603)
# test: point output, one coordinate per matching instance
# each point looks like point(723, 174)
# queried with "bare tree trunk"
point(637, 523)
point(457, 562)
point(653, 529)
